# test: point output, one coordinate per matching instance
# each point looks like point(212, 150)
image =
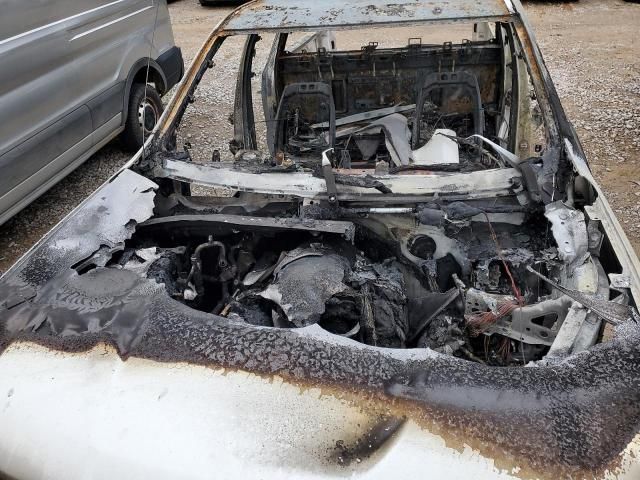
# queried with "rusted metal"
point(280, 15)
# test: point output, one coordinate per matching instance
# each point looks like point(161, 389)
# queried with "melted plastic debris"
point(304, 285)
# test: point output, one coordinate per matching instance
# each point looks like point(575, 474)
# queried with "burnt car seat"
point(303, 105)
point(442, 80)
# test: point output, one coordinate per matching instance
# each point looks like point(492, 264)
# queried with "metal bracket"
point(329, 177)
point(595, 237)
point(612, 312)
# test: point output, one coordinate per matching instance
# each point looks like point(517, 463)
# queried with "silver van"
point(73, 76)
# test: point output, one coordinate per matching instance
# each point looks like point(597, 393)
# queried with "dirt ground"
point(591, 48)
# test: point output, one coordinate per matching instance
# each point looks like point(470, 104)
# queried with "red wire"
point(479, 322)
point(514, 287)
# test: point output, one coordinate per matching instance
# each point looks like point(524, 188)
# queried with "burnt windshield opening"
point(435, 98)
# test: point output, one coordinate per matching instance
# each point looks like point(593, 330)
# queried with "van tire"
point(141, 100)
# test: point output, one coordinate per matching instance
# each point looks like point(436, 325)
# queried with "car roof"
point(309, 15)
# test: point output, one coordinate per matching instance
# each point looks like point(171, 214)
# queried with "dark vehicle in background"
point(73, 76)
point(213, 3)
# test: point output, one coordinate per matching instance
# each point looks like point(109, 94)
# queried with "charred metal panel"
point(330, 14)
point(107, 218)
point(346, 229)
point(602, 211)
point(488, 183)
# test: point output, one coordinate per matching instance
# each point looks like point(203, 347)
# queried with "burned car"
point(391, 260)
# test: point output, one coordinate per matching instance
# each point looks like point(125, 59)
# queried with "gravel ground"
point(590, 48)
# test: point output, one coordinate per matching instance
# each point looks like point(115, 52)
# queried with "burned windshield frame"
point(244, 133)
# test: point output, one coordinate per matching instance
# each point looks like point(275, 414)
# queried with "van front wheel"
point(145, 108)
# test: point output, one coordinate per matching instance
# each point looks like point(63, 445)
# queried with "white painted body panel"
point(94, 416)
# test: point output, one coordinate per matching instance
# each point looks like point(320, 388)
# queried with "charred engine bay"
point(458, 286)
